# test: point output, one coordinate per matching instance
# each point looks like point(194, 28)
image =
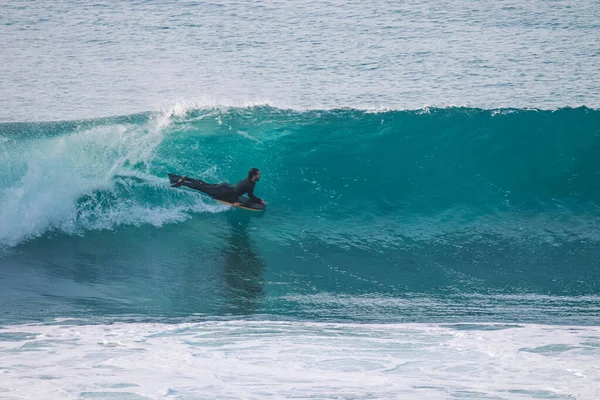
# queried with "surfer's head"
point(254, 174)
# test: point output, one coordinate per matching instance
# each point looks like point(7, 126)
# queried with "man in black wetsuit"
point(225, 191)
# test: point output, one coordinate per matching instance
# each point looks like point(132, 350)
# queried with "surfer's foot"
point(179, 182)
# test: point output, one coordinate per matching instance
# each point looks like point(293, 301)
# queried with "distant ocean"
point(433, 177)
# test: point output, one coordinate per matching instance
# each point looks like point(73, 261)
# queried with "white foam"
point(255, 360)
point(50, 176)
point(180, 107)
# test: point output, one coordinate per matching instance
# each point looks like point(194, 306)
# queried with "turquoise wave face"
point(401, 162)
point(422, 203)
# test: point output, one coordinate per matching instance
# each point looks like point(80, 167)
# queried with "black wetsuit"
point(227, 192)
point(246, 186)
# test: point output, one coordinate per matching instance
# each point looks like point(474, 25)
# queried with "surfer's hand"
point(263, 202)
point(237, 204)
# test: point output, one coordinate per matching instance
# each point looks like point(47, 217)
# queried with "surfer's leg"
point(223, 191)
point(216, 190)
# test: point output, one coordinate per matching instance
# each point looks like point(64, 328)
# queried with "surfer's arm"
point(252, 196)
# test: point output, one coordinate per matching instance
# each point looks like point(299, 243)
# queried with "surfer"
point(230, 192)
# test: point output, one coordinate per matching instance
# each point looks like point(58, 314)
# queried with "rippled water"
point(64, 60)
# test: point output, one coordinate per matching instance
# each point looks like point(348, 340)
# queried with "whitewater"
point(432, 175)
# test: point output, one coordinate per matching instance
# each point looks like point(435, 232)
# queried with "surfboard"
point(196, 184)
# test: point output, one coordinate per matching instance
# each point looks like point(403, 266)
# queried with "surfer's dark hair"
point(252, 173)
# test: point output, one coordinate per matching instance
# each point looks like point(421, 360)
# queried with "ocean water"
point(76, 59)
point(433, 180)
